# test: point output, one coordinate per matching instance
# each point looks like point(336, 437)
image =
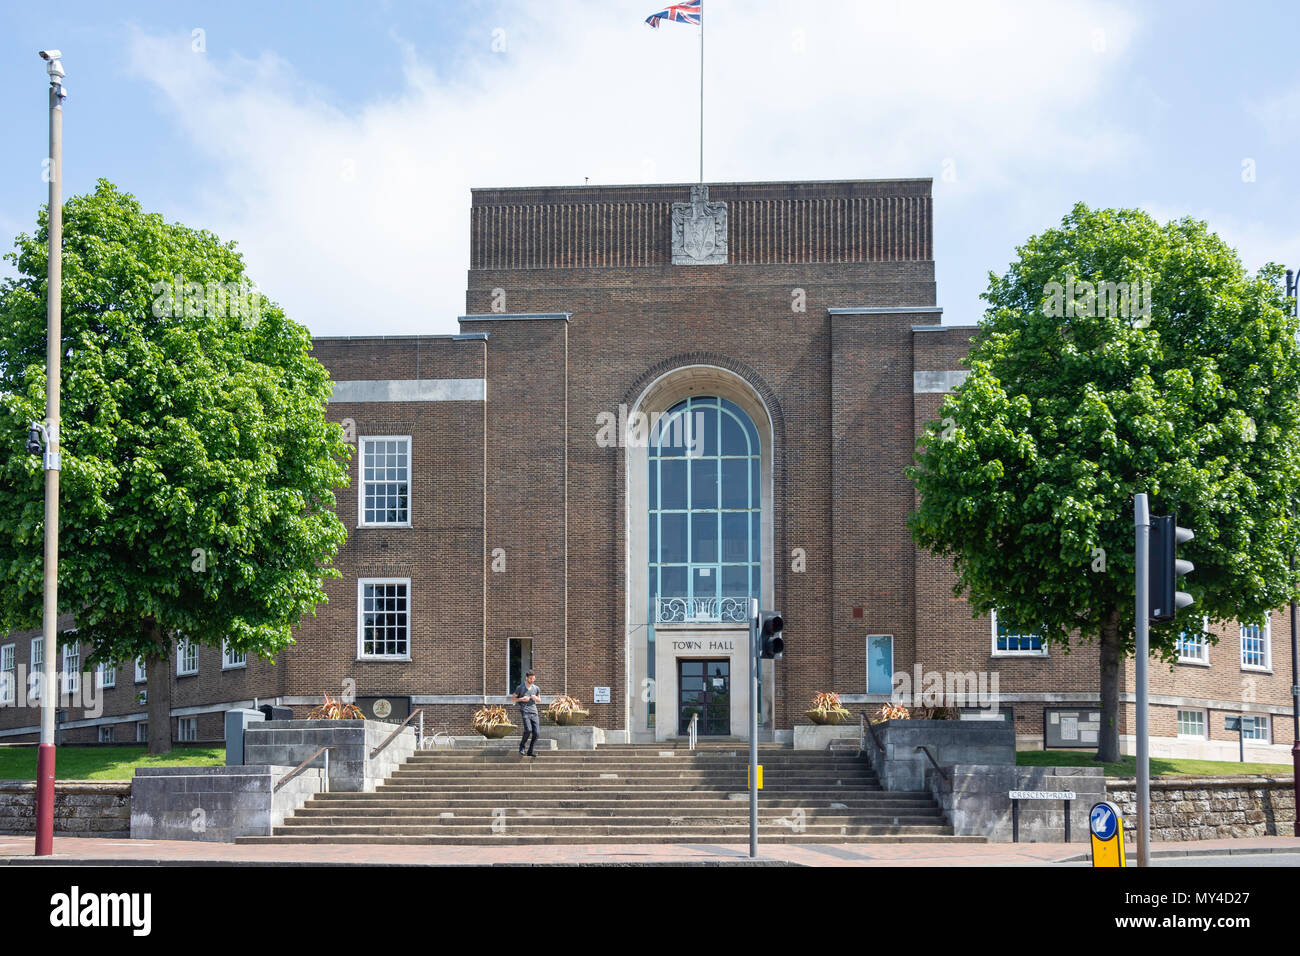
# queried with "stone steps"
point(710, 836)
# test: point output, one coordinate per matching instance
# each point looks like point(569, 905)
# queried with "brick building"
point(665, 401)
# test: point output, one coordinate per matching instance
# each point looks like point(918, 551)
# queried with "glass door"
point(704, 689)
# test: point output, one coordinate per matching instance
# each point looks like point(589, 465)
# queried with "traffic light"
point(1166, 567)
point(770, 642)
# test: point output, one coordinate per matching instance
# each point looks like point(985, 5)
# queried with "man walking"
point(527, 695)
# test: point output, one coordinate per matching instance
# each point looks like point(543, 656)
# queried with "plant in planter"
point(565, 711)
point(492, 722)
point(891, 712)
point(827, 709)
point(936, 713)
point(336, 710)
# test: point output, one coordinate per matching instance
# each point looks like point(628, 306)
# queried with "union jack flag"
point(690, 11)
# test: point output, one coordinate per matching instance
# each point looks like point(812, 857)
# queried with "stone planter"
point(571, 719)
point(499, 731)
point(831, 718)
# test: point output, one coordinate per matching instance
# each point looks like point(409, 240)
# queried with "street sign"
point(600, 695)
point(1106, 827)
point(1041, 795)
point(1239, 723)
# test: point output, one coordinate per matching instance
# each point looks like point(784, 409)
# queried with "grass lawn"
point(103, 763)
point(1160, 766)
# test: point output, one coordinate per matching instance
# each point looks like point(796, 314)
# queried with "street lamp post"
point(50, 462)
point(1293, 290)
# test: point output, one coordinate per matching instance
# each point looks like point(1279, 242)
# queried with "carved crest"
point(699, 230)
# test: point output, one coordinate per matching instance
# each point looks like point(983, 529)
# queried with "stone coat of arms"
point(699, 230)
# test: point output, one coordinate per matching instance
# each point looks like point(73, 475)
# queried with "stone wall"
point(902, 766)
point(81, 808)
point(290, 742)
point(975, 801)
point(1208, 808)
point(216, 804)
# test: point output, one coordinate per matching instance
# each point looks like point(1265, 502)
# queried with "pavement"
point(73, 851)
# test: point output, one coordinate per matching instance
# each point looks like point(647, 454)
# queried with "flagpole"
point(701, 93)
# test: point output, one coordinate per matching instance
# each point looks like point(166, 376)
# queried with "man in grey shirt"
point(528, 695)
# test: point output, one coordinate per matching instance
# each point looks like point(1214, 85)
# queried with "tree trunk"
point(160, 694)
point(1111, 658)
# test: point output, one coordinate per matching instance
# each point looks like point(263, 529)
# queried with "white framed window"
point(187, 729)
point(519, 660)
point(231, 659)
point(1192, 723)
point(142, 732)
point(383, 619)
point(1193, 648)
point(141, 671)
point(385, 487)
point(1260, 731)
point(1010, 640)
point(8, 674)
point(106, 733)
point(106, 674)
point(1257, 647)
point(880, 664)
point(187, 658)
point(37, 659)
point(71, 668)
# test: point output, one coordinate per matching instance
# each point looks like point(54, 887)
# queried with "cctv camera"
point(34, 444)
point(50, 54)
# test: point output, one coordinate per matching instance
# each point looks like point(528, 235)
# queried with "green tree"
point(1075, 402)
point(198, 466)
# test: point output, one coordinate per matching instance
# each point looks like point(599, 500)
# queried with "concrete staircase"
point(635, 793)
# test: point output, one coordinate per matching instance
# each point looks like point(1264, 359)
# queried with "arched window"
point(705, 512)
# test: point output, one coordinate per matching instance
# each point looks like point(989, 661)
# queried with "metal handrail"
point(870, 729)
point(691, 731)
point(943, 774)
point(419, 711)
point(303, 766)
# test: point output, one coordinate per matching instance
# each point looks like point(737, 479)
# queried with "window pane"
point(705, 582)
point(735, 536)
point(704, 483)
point(672, 546)
point(672, 437)
point(734, 439)
point(672, 582)
point(672, 474)
point(735, 581)
point(704, 422)
point(880, 664)
point(735, 483)
point(704, 537)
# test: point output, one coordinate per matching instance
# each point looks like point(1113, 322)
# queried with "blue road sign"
point(1102, 821)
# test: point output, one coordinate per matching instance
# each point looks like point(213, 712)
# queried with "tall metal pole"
point(701, 94)
point(1293, 290)
point(53, 357)
point(753, 727)
point(1142, 525)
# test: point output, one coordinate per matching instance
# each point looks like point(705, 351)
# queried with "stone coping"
point(105, 785)
point(240, 769)
point(1172, 782)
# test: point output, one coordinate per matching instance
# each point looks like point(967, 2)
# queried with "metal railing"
point(705, 610)
point(692, 730)
point(325, 786)
point(866, 729)
point(943, 774)
point(418, 712)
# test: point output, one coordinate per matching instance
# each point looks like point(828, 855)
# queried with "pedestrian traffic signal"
point(770, 642)
point(1166, 567)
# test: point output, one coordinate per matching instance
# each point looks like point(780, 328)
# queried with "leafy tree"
point(1075, 402)
point(198, 465)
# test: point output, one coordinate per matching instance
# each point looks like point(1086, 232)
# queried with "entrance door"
point(704, 688)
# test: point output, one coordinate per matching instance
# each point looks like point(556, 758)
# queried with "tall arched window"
point(705, 512)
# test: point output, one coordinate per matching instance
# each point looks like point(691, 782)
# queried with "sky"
point(337, 143)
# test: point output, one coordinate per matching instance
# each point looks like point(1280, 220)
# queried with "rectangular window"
point(71, 670)
point(1010, 639)
point(385, 481)
point(37, 658)
point(141, 671)
point(383, 618)
point(1257, 647)
point(520, 652)
point(231, 659)
point(106, 734)
point(1192, 648)
point(1191, 723)
point(107, 675)
point(142, 732)
point(1259, 731)
point(8, 675)
point(187, 658)
point(880, 664)
point(187, 729)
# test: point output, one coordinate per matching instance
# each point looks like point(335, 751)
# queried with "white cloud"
point(358, 219)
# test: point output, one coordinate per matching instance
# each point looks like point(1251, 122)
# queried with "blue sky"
point(337, 143)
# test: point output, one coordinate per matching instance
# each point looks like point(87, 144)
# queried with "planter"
point(828, 717)
point(571, 719)
point(499, 731)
